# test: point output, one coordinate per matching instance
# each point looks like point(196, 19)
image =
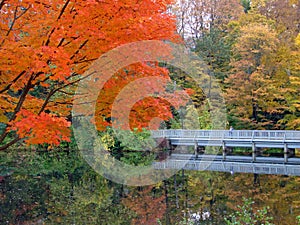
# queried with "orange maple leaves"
point(136, 97)
point(40, 129)
point(46, 46)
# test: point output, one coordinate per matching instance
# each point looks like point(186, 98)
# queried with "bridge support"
point(288, 153)
point(253, 152)
point(285, 150)
point(165, 144)
point(168, 143)
point(170, 147)
point(196, 149)
point(224, 150)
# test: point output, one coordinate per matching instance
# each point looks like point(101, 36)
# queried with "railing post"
point(196, 149)
point(285, 153)
point(253, 152)
point(224, 150)
point(253, 133)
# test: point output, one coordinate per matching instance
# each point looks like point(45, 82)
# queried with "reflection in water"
point(197, 217)
point(58, 187)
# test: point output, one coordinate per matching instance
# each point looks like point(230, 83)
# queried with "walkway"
point(227, 140)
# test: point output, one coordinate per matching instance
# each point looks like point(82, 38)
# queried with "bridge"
point(226, 141)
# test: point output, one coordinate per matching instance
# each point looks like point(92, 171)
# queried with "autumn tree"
point(46, 46)
point(289, 64)
point(261, 89)
point(126, 85)
point(286, 13)
point(247, 86)
point(286, 62)
point(253, 49)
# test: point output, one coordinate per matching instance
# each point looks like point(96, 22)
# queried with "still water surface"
point(59, 187)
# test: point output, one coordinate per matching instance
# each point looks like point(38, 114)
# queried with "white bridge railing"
point(235, 134)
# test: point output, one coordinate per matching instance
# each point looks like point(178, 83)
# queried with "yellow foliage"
point(3, 118)
point(297, 40)
point(107, 141)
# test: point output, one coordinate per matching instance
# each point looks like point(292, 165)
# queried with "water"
point(58, 187)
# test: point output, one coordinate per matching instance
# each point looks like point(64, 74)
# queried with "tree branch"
point(49, 36)
point(18, 107)
point(16, 17)
point(12, 82)
point(3, 147)
point(80, 47)
point(53, 91)
point(63, 9)
point(2, 3)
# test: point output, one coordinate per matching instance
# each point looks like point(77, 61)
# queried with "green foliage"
point(138, 158)
point(246, 215)
point(298, 219)
point(215, 50)
point(246, 4)
point(131, 147)
point(191, 119)
point(135, 140)
point(205, 119)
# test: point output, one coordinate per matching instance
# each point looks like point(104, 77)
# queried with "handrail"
point(283, 135)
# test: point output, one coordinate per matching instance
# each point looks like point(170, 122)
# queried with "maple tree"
point(131, 91)
point(45, 47)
